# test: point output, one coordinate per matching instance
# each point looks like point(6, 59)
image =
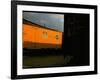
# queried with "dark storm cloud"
point(53, 21)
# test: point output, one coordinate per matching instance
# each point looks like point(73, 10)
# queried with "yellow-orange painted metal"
point(35, 36)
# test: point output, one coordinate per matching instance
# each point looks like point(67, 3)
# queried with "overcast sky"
point(53, 21)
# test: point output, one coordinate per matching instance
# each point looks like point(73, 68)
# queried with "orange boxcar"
point(36, 37)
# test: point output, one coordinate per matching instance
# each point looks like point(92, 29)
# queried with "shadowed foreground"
point(40, 58)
